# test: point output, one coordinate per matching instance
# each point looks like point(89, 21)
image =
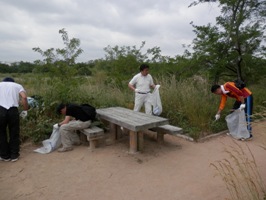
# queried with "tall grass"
point(186, 103)
point(240, 174)
point(190, 105)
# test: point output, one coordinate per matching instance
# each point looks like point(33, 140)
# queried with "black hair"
point(8, 79)
point(143, 66)
point(60, 107)
point(214, 88)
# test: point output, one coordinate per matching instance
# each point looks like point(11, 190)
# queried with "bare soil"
point(175, 170)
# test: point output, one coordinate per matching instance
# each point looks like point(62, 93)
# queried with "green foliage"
point(187, 103)
point(84, 69)
point(17, 67)
point(234, 45)
point(5, 68)
point(68, 54)
point(37, 126)
point(120, 62)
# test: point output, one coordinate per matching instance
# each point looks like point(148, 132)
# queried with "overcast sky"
point(98, 23)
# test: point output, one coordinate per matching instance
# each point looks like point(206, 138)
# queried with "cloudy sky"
point(98, 23)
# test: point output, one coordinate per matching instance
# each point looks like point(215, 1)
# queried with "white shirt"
point(142, 83)
point(9, 94)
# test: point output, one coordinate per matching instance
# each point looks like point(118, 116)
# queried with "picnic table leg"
point(112, 137)
point(113, 130)
point(160, 137)
point(140, 141)
point(93, 144)
point(133, 142)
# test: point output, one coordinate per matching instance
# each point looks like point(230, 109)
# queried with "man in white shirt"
point(10, 94)
point(141, 84)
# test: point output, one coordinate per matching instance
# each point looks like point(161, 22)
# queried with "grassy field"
point(187, 103)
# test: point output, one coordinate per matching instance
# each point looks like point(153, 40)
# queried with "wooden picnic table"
point(135, 122)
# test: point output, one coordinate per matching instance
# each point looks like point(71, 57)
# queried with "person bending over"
point(77, 117)
point(244, 100)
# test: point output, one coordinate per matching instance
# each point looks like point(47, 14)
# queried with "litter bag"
point(237, 125)
point(156, 101)
point(50, 144)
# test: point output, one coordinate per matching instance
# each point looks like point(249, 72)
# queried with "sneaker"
point(64, 149)
point(14, 159)
point(4, 159)
point(249, 138)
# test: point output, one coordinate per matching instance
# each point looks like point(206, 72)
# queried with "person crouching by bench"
point(77, 117)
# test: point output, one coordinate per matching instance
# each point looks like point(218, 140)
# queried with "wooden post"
point(113, 130)
point(133, 142)
point(160, 137)
point(93, 144)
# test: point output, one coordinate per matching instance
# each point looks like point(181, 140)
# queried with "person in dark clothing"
point(77, 117)
point(10, 95)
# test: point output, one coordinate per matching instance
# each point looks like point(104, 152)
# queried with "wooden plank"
point(172, 130)
point(92, 130)
point(93, 134)
point(169, 129)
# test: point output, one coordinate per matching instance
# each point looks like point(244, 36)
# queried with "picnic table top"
point(129, 119)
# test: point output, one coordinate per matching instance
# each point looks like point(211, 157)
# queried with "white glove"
point(217, 116)
point(242, 106)
point(23, 114)
point(136, 90)
point(56, 126)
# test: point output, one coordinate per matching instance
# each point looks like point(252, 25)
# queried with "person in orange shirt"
point(244, 100)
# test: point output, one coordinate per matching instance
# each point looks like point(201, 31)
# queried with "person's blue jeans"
point(9, 133)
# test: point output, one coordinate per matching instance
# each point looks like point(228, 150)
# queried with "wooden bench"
point(171, 130)
point(94, 134)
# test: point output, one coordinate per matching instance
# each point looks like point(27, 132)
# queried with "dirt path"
point(176, 170)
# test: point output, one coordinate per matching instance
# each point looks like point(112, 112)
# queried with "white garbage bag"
point(155, 101)
point(237, 125)
point(50, 144)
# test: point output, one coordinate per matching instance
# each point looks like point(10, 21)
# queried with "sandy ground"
point(175, 170)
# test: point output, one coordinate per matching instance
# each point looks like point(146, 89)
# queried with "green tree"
point(68, 54)
point(126, 59)
point(22, 67)
point(121, 62)
point(234, 45)
point(5, 68)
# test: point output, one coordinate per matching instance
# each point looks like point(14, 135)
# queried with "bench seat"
point(171, 130)
point(94, 134)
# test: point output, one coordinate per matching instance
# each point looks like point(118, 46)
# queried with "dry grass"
point(240, 174)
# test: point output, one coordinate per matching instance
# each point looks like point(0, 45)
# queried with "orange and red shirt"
point(233, 92)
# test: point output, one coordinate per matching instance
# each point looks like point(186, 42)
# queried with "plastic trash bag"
point(237, 125)
point(155, 101)
point(50, 144)
point(33, 103)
